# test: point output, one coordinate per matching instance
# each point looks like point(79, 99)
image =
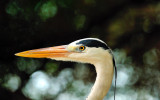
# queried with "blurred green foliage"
point(79, 21)
point(48, 10)
point(28, 65)
point(51, 67)
point(12, 9)
point(65, 3)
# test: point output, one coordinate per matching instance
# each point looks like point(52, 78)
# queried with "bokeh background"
point(130, 27)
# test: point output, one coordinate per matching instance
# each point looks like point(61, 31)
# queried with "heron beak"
point(50, 52)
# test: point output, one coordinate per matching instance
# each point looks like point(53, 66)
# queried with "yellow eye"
point(82, 48)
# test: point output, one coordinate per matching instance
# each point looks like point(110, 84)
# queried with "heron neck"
point(103, 81)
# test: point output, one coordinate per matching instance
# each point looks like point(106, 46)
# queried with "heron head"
point(88, 50)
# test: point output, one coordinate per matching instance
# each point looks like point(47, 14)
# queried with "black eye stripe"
point(93, 43)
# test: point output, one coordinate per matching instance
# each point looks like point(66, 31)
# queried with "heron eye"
point(82, 48)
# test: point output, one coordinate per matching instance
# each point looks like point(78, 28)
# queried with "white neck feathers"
point(103, 81)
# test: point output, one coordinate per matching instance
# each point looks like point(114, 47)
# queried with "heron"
point(88, 50)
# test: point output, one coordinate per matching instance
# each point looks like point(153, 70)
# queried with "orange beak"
point(50, 52)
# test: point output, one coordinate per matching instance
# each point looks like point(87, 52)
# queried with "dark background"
point(130, 27)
